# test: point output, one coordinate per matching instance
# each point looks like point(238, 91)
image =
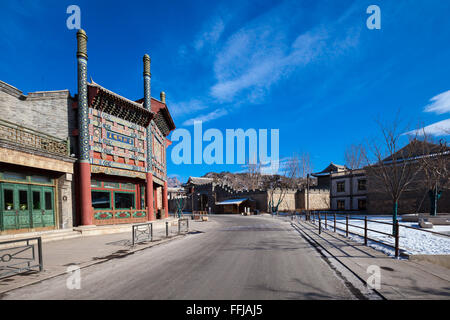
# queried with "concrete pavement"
point(400, 279)
point(236, 258)
point(86, 250)
point(230, 257)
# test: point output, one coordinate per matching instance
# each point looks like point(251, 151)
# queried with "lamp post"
point(307, 195)
point(192, 202)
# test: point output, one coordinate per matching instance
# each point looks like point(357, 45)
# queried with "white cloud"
point(262, 53)
point(255, 59)
point(187, 107)
point(441, 128)
point(276, 166)
point(211, 35)
point(267, 49)
point(206, 117)
point(439, 104)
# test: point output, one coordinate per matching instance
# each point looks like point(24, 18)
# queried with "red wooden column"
point(155, 195)
point(86, 211)
point(165, 201)
point(149, 197)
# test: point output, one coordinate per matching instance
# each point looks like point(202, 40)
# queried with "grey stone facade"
point(48, 112)
point(39, 114)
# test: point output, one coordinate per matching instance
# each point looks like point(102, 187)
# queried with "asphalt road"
point(230, 257)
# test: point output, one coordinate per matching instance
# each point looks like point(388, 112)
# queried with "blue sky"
point(311, 69)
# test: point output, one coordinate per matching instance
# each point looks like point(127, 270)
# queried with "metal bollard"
point(335, 222)
point(179, 226)
point(365, 230)
point(167, 229)
point(325, 220)
point(151, 231)
point(41, 262)
point(346, 226)
point(397, 239)
point(320, 224)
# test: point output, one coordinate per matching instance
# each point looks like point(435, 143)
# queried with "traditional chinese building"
point(121, 172)
point(36, 166)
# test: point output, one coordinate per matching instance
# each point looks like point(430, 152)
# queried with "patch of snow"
point(411, 241)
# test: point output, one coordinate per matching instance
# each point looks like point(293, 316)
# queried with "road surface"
point(229, 257)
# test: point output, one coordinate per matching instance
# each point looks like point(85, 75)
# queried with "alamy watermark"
point(74, 20)
point(73, 281)
point(374, 280)
point(374, 20)
point(188, 151)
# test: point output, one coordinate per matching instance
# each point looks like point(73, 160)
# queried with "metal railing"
point(316, 218)
point(183, 226)
point(20, 135)
point(142, 232)
point(19, 256)
point(147, 232)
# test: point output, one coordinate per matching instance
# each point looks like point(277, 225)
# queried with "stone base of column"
point(165, 201)
point(149, 196)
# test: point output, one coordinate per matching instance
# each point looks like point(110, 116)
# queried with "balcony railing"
point(22, 136)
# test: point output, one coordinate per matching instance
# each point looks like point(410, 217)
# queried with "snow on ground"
point(411, 241)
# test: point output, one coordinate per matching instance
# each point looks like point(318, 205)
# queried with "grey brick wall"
point(49, 112)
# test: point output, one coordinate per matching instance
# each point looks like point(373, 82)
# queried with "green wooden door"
point(22, 193)
point(48, 209)
point(37, 205)
point(26, 206)
point(9, 209)
point(43, 213)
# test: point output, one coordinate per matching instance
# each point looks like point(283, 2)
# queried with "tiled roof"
point(332, 168)
point(164, 121)
point(105, 100)
point(231, 201)
point(199, 180)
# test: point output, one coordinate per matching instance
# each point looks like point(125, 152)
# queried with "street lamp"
point(307, 196)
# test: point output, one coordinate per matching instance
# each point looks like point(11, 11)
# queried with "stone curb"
point(92, 263)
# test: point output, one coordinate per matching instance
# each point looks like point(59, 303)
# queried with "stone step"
point(46, 236)
point(119, 228)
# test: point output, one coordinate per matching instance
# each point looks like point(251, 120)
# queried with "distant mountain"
point(173, 182)
point(241, 181)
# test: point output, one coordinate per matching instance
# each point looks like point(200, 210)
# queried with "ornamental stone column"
point(147, 105)
point(86, 210)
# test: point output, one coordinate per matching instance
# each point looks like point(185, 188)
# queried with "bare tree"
point(305, 165)
point(391, 166)
point(354, 156)
point(180, 202)
point(435, 163)
point(278, 186)
point(254, 174)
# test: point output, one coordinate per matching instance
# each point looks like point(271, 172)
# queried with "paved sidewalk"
point(83, 252)
point(400, 279)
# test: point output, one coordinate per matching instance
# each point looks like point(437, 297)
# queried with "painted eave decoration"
point(107, 101)
point(162, 118)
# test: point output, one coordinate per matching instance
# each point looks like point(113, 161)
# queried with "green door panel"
point(36, 206)
point(24, 214)
point(9, 207)
point(26, 206)
point(48, 210)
